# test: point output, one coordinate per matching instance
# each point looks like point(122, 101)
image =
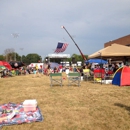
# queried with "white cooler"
point(30, 105)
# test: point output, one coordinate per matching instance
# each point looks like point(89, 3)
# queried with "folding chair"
point(74, 78)
point(87, 76)
point(109, 75)
point(55, 78)
point(99, 75)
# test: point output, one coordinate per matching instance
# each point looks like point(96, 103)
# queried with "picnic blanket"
point(20, 116)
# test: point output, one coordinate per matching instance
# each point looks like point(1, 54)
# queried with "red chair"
point(99, 75)
point(110, 74)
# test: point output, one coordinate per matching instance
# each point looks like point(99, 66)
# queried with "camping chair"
point(87, 76)
point(74, 78)
point(109, 75)
point(56, 78)
point(99, 75)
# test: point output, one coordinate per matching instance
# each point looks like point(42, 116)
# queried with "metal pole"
point(15, 35)
point(21, 55)
point(101, 68)
point(74, 43)
point(101, 65)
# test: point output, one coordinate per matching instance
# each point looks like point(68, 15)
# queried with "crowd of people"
point(85, 70)
point(13, 72)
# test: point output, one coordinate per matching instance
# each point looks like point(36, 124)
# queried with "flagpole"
point(74, 43)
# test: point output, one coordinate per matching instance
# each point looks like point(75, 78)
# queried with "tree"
point(2, 57)
point(9, 53)
point(75, 58)
point(18, 57)
point(32, 58)
point(24, 59)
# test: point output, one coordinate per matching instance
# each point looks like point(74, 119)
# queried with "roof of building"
point(125, 40)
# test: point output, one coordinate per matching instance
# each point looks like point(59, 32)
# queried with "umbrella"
point(6, 64)
point(16, 64)
point(99, 61)
point(2, 67)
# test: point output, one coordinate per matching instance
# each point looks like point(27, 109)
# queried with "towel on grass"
point(20, 116)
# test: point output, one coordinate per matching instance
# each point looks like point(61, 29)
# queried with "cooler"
point(30, 105)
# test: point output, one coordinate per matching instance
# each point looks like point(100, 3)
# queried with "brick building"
point(122, 41)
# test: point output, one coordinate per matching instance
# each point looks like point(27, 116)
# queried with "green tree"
point(76, 57)
point(18, 57)
point(32, 58)
point(2, 57)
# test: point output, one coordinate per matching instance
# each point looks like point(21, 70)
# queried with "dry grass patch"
point(88, 107)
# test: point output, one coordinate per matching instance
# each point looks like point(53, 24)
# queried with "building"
point(57, 57)
point(122, 41)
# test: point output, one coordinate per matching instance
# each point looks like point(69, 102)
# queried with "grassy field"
point(88, 107)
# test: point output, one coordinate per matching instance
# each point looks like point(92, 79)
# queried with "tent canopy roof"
point(115, 50)
point(99, 61)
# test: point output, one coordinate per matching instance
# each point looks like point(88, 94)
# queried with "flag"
point(61, 47)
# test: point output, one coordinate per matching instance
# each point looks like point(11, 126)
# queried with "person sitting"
point(48, 70)
point(36, 73)
point(55, 70)
point(115, 68)
point(70, 69)
point(87, 73)
point(80, 70)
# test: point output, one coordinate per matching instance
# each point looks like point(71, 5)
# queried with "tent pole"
point(101, 66)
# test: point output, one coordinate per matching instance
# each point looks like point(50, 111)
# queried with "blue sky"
point(38, 23)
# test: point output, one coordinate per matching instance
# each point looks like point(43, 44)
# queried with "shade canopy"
point(99, 61)
point(115, 50)
point(6, 64)
point(16, 64)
